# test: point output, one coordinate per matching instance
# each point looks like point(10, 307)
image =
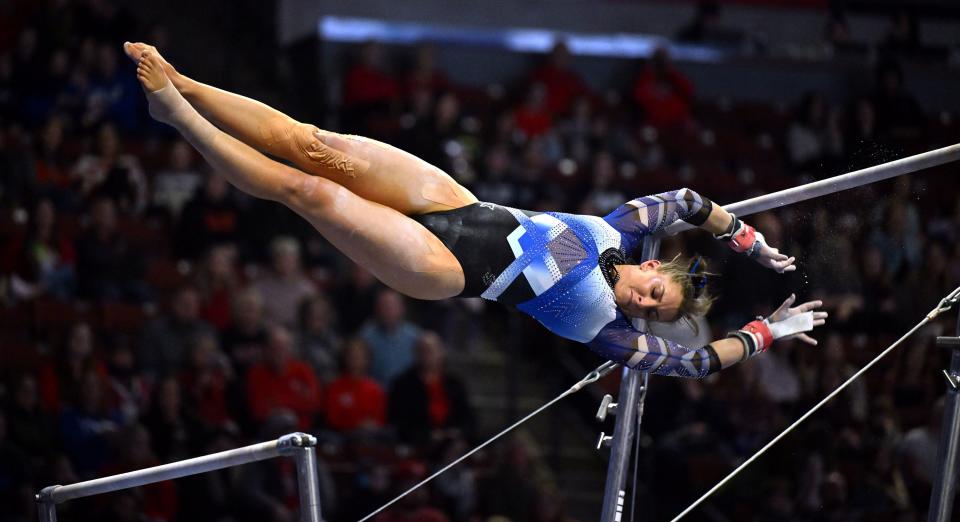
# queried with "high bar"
point(827, 186)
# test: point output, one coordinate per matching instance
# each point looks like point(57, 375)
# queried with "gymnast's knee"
point(328, 151)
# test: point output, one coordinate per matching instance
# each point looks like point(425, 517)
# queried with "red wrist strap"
point(761, 332)
point(743, 239)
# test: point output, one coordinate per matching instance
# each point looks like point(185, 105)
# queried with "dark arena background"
point(150, 313)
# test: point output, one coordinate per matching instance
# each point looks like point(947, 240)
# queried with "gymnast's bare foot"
point(136, 50)
point(164, 99)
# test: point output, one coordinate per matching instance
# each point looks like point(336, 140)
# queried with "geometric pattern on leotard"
point(567, 251)
point(536, 237)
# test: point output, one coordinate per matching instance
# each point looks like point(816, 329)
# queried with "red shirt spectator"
point(354, 400)
point(532, 117)
point(664, 94)
point(281, 381)
point(425, 75)
point(205, 382)
point(61, 378)
point(367, 83)
point(562, 83)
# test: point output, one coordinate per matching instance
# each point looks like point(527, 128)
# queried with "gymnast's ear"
point(650, 264)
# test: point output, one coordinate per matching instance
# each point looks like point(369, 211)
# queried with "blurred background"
point(149, 312)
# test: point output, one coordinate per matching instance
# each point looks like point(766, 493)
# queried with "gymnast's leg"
point(395, 248)
point(371, 169)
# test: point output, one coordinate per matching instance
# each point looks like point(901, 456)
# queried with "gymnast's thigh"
point(377, 171)
point(399, 251)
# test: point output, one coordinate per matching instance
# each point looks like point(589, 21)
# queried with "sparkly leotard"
point(555, 268)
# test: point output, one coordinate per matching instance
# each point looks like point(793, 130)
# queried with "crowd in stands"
point(149, 312)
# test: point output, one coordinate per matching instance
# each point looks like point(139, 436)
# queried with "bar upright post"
point(945, 482)
point(633, 390)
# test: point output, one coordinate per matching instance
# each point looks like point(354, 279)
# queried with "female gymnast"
point(421, 233)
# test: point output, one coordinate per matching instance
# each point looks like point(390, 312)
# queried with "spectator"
point(561, 82)
point(28, 427)
point(114, 93)
point(354, 296)
point(47, 257)
point(899, 116)
point(174, 431)
point(862, 129)
point(368, 83)
point(166, 340)
point(218, 281)
point(210, 217)
point(51, 169)
point(108, 266)
point(247, 336)
point(426, 401)
point(205, 382)
point(61, 378)
point(903, 34)
point(14, 472)
point(414, 506)
point(533, 118)
point(160, 499)
point(603, 197)
point(806, 137)
point(85, 429)
point(390, 336)
point(663, 93)
point(128, 389)
point(285, 286)
point(707, 27)
point(354, 400)
point(111, 173)
point(283, 382)
point(496, 185)
point(370, 91)
point(178, 181)
point(918, 449)
point(425, 76)
point(319, 340)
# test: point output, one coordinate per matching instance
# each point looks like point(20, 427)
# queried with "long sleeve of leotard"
point(649, 214)
point(620, 342)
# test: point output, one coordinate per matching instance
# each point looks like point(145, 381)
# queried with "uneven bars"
point(827, 186)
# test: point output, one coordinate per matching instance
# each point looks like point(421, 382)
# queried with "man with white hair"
point(285, 286)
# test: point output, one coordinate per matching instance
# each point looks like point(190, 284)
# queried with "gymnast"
point(421, 233)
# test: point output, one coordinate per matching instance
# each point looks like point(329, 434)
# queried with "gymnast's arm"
point(620, 342)
point(650, 214)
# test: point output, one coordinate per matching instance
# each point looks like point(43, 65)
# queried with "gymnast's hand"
point(744, 239)
point(771, 257)
point(788, 322)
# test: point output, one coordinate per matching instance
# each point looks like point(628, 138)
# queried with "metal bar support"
point(945, 483)
point(633, 390)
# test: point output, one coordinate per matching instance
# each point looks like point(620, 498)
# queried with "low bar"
point(827, 186)
point(299, 446)
point(140, 477)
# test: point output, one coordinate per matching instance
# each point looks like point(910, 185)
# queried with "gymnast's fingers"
point(807, 339)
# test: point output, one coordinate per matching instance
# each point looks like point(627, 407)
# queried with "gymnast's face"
point(643, 292)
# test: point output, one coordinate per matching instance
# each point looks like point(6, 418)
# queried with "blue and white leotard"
point(551, 270)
